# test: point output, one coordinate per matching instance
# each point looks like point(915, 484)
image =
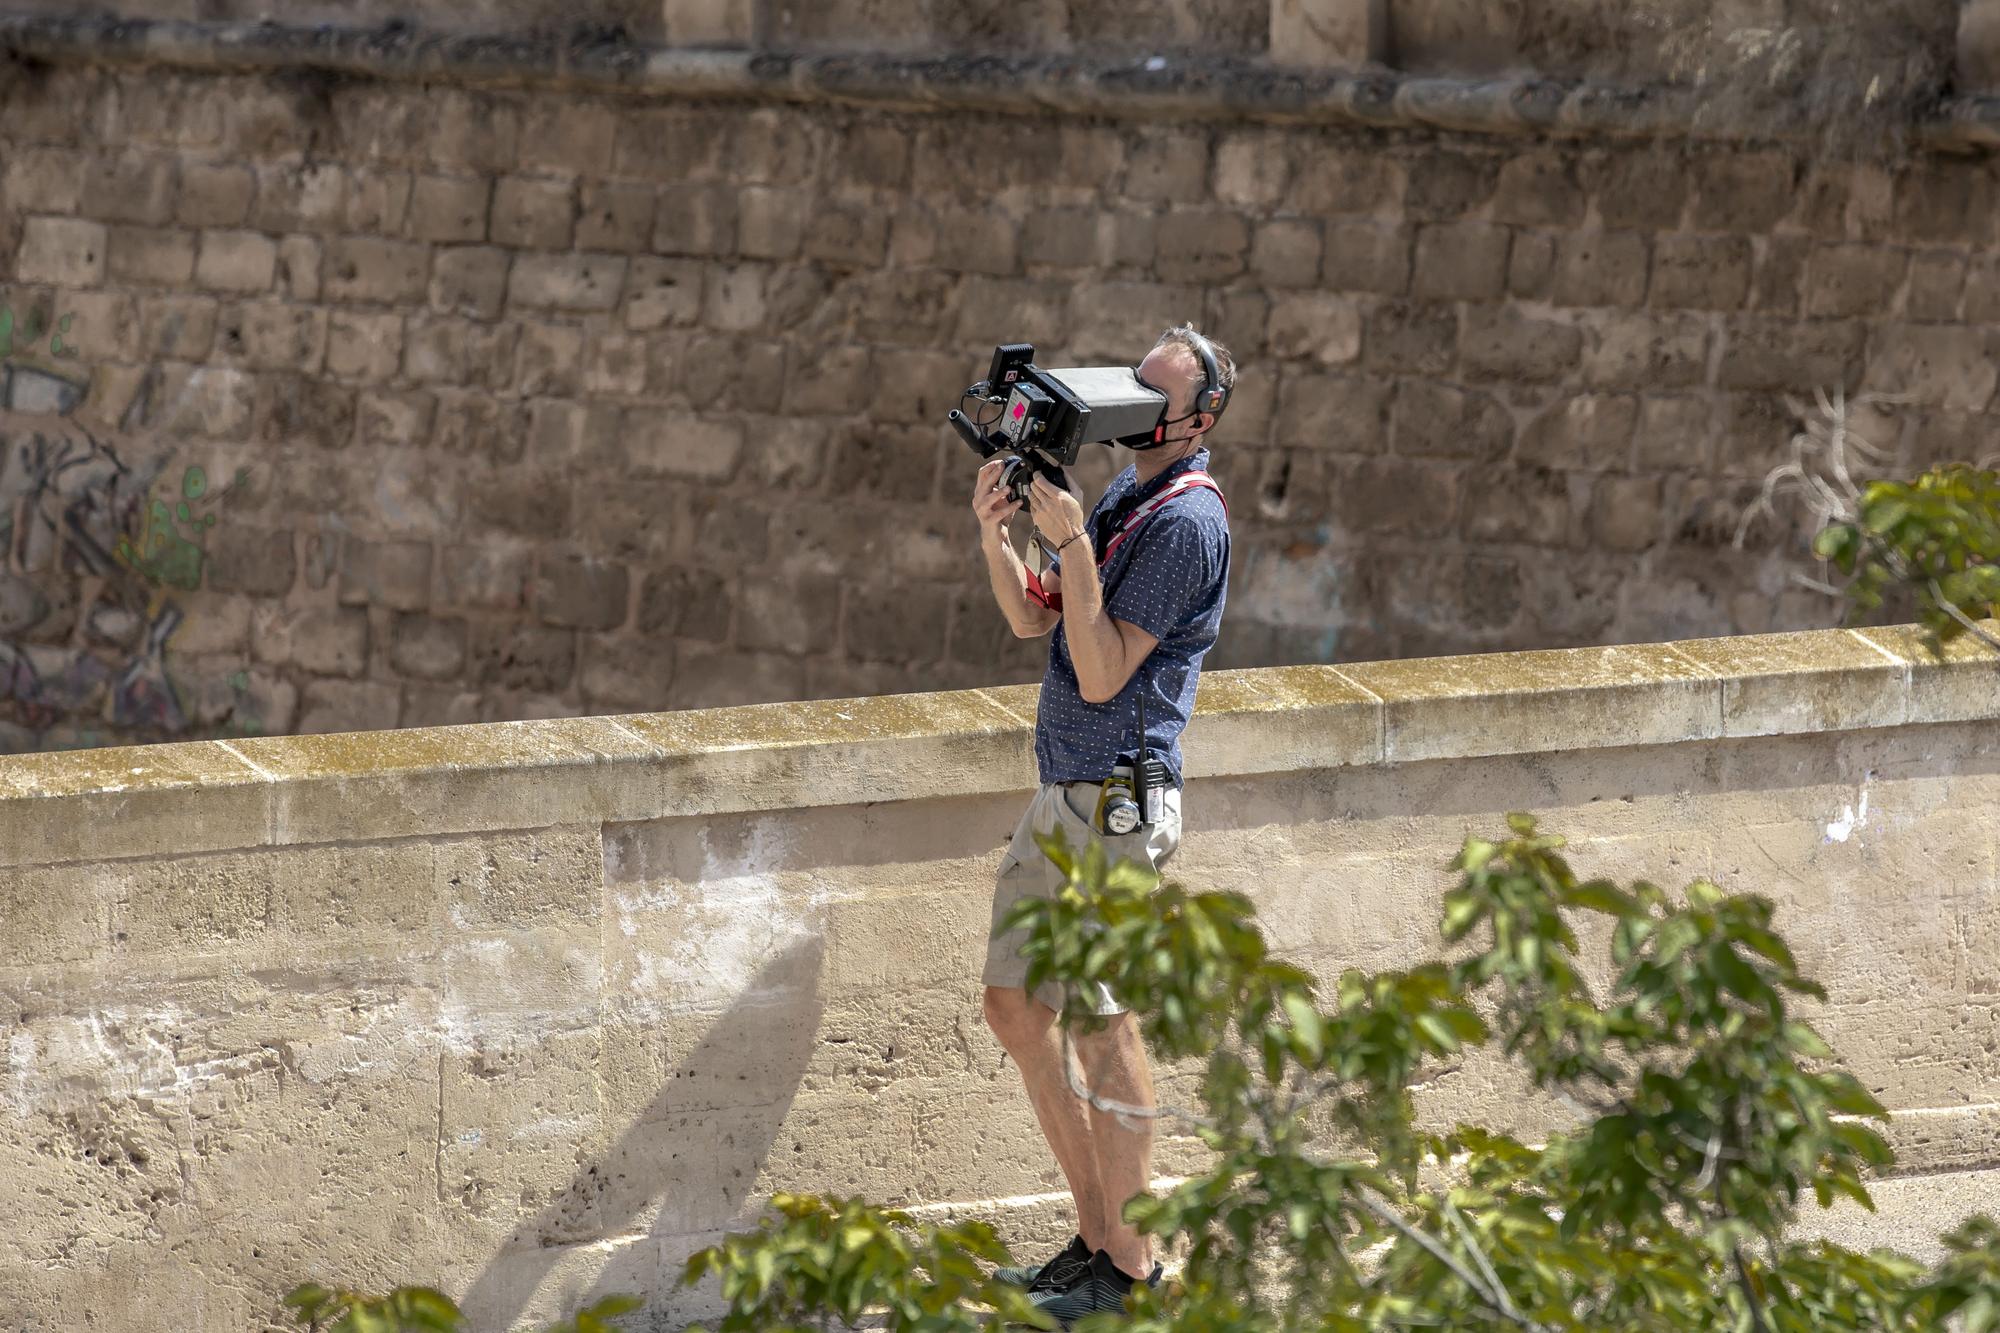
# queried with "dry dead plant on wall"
point(1936, 538)
point(1827, 455)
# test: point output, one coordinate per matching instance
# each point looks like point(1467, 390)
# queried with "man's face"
point(1175, 372)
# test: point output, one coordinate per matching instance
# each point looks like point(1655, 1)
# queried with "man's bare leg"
point(1027, 1031)
point(1114, 1062)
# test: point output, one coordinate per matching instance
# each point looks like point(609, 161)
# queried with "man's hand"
point(1058, 516)
point(991, 505)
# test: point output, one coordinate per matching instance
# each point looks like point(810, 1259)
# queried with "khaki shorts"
point(1026, 872)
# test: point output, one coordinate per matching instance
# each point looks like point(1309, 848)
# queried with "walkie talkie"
point(1149, 775)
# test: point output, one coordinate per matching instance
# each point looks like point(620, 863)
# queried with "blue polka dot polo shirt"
point(1169, 578)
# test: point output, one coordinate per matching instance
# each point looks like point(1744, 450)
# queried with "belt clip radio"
point(1136, 795)
point(1118, 809)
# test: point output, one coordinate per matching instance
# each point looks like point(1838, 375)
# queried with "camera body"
point(1043, 418)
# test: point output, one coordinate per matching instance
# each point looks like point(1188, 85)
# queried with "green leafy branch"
point(1705, 1114)
point(422, 1310)
point(404, 1310)
point(1706, 1108)
point(814, 1259)
point(1936, 536)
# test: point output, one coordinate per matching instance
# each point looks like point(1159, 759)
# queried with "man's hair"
point(1185, 337)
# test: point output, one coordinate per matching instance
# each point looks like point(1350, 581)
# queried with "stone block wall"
point(434, 402)
point(533, 1010)
point(1795, 43)
point(1006, 27)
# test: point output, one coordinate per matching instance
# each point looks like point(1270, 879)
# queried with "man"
point(1138, 610)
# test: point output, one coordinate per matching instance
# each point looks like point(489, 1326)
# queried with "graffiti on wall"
point(108, 542)
point(71, 508)
point(159, 553)
point(28, 333)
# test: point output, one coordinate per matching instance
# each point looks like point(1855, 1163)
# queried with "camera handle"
point(980, 442)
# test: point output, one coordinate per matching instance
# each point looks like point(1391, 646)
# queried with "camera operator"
point(1135, 601)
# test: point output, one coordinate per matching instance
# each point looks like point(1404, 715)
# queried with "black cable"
point(978, 423)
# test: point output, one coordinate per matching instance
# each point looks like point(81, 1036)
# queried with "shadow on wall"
point(682, 1169)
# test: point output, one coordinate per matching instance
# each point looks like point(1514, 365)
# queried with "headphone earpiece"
point(1214, 395)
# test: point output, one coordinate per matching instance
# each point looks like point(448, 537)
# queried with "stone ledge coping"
point(1159, 88)
point(363, 786)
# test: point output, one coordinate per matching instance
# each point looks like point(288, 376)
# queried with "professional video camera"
point(1044, 417)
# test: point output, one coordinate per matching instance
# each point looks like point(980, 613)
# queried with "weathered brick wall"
point(1742, 42)
point(1783, 45)
point(530, 403)
point(1009, 27)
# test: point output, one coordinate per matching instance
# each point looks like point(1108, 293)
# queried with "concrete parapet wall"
point(534, 1009)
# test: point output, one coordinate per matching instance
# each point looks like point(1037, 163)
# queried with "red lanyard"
point(1187, 481)
point(1181, 485)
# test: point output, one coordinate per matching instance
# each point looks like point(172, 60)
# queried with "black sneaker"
point(1101, 1289)
point(1055, 1275)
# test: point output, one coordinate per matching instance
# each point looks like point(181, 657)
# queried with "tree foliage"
point(1705, 1113)
point(1933, 541)
point(813, 1258)
point(1938, 535)
point(422, 1310)
point(404, 1310)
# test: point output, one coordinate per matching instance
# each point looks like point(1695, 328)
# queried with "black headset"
point(1214, 394)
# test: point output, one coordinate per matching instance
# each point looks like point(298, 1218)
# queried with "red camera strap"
point(1181, 485)
point(1039, 595)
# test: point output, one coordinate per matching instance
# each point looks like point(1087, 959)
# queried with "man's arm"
point(1009, 576)
point(1004, 570)
point(1104, 650)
